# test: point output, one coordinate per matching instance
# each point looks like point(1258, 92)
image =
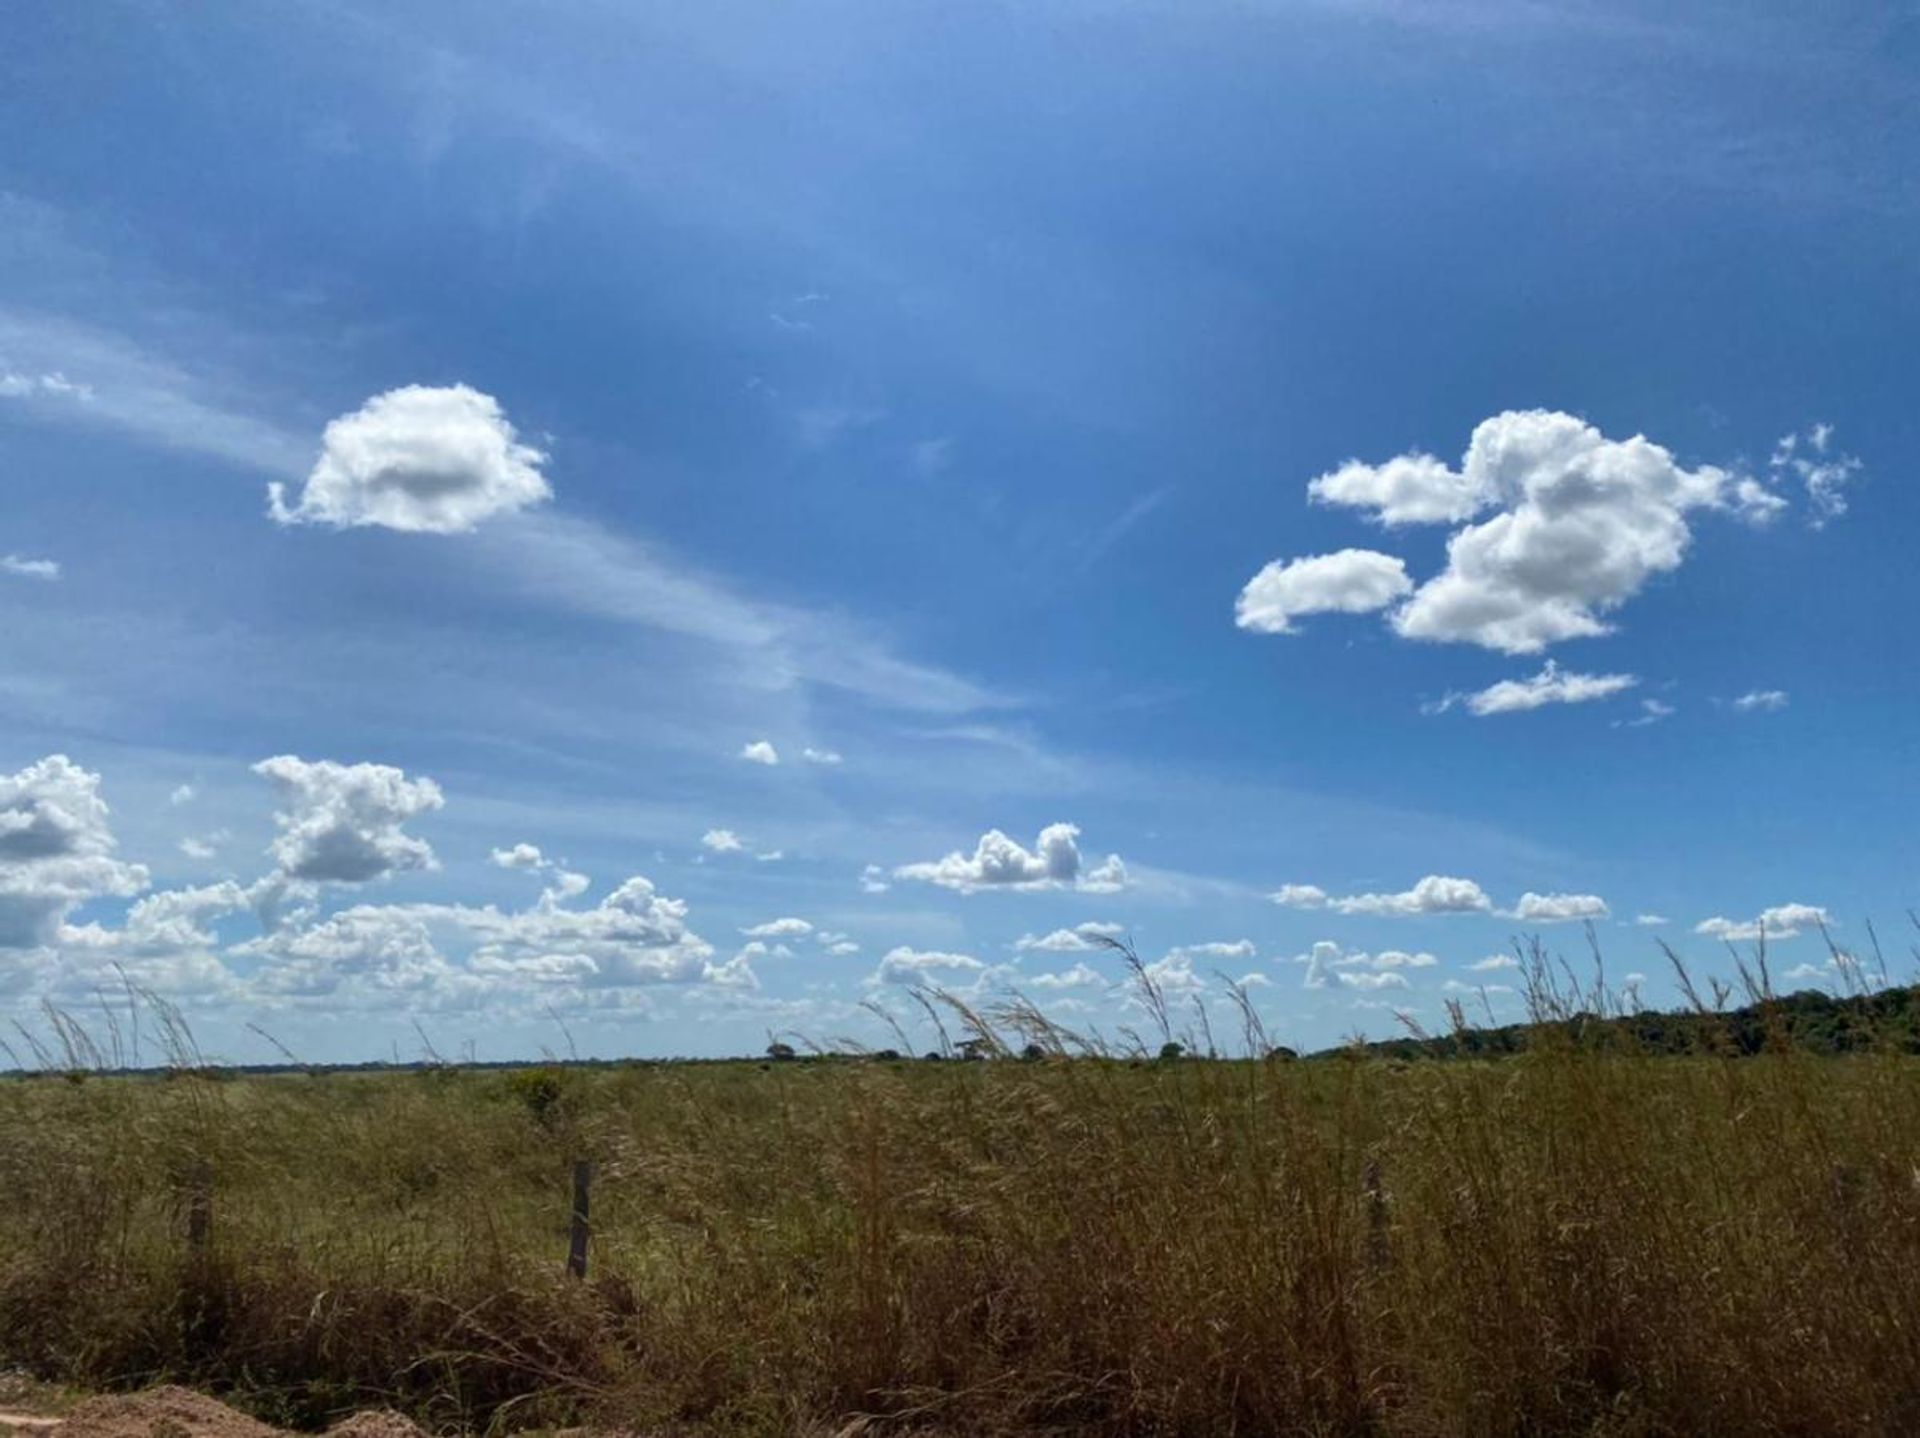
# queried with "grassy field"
point(1576, 1239)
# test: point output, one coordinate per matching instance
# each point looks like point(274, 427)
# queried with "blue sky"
point(942, 390)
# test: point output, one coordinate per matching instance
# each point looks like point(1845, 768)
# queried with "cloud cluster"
point(998, 862)
point(420, 458)
point(910, 966)
point(1439, 894)
point(1822, 470)
point(1761, 701)
point(1783, 921)
point(1327, 963)
point(1575, 526)
point(1435, 894)
point(56, 851)
point(339, 825)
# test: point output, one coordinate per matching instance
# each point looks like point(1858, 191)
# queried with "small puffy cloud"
point(1552, 685)
point(1784, 921)
point(1080, 976)
point(1321, 957)
point(1300, 896)
point(1761, 701)
point(56, 851)
point(1327, 955)
point(1400, 959)
point(204, 847)
point(1408, 489)
point(820, 756)
point(1435, 894)
point(52, 385)
point(1494, 961)
point(873, 880)
point(1825, 472)
point(520, 856)
point(1652, 711)
point(916, 966)
point(421, 458)
point(1650, 921)
point(22, 567)
point(998, 862)
point(341, 822)
point(1229, 949)
point(182, 794)
point(1559, 908)
point(1370, 980)
point(1353, 581)
point(568, 885)
point(760, 752)
point(1079, 939)
point(780, 929)
point(721, 841)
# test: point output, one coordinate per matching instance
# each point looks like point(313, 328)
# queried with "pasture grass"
point(1580, 1239)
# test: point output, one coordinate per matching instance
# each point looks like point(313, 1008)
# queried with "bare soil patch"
point(181, 1413)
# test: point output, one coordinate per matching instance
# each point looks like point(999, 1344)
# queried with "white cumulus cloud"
point(998, 862)
point(520, 856)
point(341, 822)
point(1578, 524)
point(1079, 939)
point(1783, 921)
point(780, 929)
point(721, 841)
point(421, 458)
point(1559, 908)
point(1761, 701)
point(56, 851)
point(760, 751)
point(1353, 581)
point(1435, 894)
point(904, 965)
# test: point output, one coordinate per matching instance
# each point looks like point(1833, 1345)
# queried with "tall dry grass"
point(1578, 1240)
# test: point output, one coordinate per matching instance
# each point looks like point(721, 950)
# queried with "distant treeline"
point(1811, 1021)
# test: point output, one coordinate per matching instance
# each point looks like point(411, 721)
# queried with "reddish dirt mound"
point(160, 1413)
point(180, 1413)
point(381, 1424)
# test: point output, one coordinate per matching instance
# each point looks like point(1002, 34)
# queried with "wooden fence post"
point(577, 1237)
point(1379, 1246)
point(199, 1208)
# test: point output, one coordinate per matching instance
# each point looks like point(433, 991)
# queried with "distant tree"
point(780, 1052)
point(1169, 1051)
point(1033, 1053)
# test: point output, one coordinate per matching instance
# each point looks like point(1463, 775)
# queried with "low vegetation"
point(1586, 1235)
